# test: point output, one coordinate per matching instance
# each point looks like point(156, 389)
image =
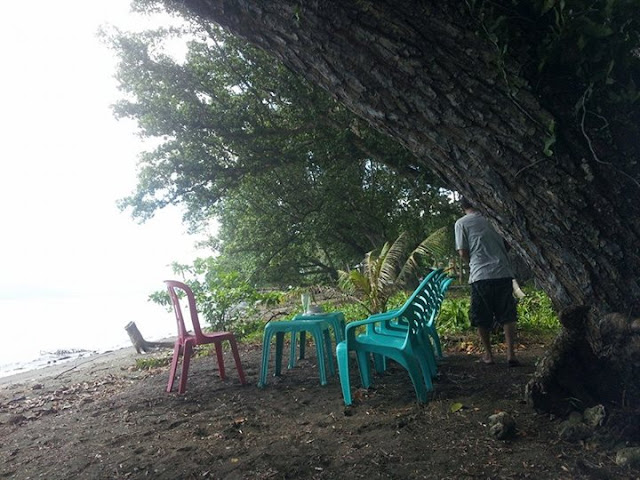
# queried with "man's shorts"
point(492, 303)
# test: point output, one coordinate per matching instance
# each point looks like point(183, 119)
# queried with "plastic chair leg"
point(303, 342)
point(342, 355)
point(436, 342)
point(364, 368)
point(174, 365)
point(221, 370)
point(417, 379)
point(236, 358)
point(266, 347)
point(329, 350)
point(431, 358)
point(379, 363)
point(337, 324)
point(279, 345)
point(425, 369)
point(319, 341)
point(186, 360)
point(292, 351)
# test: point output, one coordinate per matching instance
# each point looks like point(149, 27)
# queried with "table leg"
point(279, 345)
point(303, 343)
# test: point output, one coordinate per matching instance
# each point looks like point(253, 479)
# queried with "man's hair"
point(465, 203)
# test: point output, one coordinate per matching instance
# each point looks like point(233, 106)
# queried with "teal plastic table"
point(335, 320)
point(319, 329)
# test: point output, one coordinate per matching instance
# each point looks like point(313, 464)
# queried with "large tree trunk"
point(418, 71)
point(592, 361)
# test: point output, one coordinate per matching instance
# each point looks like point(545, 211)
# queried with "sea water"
point(37, 332)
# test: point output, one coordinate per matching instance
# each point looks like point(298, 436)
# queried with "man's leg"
point(510, 339)
point(507, 314)
point(485, 338)
point(481, 317)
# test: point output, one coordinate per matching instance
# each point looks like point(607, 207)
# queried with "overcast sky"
point(65, 160)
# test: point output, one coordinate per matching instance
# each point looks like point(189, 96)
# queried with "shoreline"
point(46, 359)
point(84, 363)
point(78, 369)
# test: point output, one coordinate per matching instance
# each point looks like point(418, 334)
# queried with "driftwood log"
point(593, 360)
point(138, 341)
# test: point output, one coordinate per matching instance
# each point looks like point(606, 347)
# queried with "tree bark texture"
point(592, 361)
point(418, 71)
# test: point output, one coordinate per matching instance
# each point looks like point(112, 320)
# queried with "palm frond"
point(353, 281)
point(438, 245)
point(393, 261)
point(435, 248)
point(371, 268)
point(387, 270)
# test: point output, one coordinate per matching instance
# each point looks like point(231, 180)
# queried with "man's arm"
point(464, 254)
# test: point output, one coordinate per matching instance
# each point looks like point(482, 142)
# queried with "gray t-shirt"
point(487, 254)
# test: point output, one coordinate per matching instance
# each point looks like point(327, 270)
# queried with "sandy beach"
point(102, 418)
point(79, 369)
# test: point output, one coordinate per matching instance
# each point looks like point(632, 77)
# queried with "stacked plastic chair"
point(408, 348)
point(401, 335)
point(443, 283)
point(432, 291)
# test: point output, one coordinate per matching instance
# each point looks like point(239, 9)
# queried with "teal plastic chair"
point(425, 301)
point(443, 285)
point(319, 329)
point(335, 320)
point(431, 293)
point(407, 351)
point(425, 292)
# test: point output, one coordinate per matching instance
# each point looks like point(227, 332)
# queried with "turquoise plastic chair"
point(426, 300)
point(407, 351)
point(425, 292)
point(431, 291)
point(319, 329)
point(443, 285)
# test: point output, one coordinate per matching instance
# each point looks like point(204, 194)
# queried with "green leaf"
point(548, 143)
point(456, 407)
point(547, 5)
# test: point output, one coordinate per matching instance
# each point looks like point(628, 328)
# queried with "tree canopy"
point(301, 187)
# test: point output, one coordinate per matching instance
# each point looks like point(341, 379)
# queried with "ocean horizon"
point(48, 330)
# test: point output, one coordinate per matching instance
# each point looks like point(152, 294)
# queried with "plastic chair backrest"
point(172, 285)
point(428, 280)
point(421, 295)
point(441, 289)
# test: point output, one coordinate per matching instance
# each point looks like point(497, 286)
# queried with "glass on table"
point(306, 301)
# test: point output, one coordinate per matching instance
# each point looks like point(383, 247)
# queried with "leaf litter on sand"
point(293, 428)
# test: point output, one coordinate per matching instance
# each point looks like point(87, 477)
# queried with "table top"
point(317, 314)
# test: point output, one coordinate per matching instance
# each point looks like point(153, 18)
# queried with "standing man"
point(490, 277)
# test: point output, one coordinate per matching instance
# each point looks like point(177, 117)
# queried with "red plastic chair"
point(187, 341)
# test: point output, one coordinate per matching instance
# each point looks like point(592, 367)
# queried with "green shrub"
point(536, 313)
point(454, 316)
point(397, 300)
point(148, 363)
point(271, 299)
point(249, 330)
point(352, 311)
